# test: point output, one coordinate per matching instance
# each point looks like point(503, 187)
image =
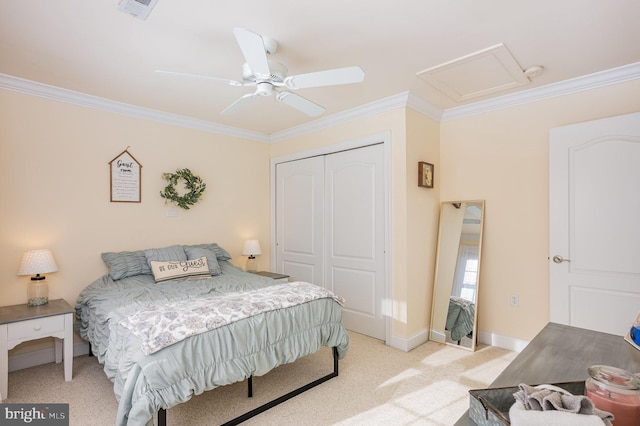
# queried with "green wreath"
point(193, 184)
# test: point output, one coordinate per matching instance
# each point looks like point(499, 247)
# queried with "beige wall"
point(502, 157)
point(55, 176)
point(423, 144)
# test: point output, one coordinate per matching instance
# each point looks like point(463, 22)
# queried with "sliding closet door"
point(354, 236)
point(330, 230)
point(300, 219)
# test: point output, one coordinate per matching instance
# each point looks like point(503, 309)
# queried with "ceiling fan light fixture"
point(264, 89)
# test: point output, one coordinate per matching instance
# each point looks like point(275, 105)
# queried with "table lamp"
point(251, 248)
point(36, 262)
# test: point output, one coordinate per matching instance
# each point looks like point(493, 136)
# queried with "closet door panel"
point(354, 218)
point(330, 230)
point(299, 219)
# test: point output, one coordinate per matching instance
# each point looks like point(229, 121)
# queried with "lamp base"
point(252, 264)
point(37, 293)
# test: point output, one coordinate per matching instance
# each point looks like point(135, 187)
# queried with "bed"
point(460, 318)
point(163, 339)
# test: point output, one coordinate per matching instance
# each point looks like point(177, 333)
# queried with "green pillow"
point(198, 252)
point(173, 253)
point(126, 264)
point(221, 254)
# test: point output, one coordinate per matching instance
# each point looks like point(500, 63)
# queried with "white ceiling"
point(93, 48)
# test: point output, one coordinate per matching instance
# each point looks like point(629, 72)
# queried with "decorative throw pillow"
point(171, 270)
point(221, 254)
point(173, 253)
point(212, 261)
point(126, 264)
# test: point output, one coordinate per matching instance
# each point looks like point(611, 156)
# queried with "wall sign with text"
point(126, 178)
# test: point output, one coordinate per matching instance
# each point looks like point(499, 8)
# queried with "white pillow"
point(173, 269)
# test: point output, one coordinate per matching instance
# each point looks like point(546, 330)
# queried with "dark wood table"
point(561, 353)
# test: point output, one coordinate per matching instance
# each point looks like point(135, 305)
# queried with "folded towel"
point(552, 399)
point(520, 416)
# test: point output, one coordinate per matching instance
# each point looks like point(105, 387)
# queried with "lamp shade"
point(37, 262)
point(251, 248)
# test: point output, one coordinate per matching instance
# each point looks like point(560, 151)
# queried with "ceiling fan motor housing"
point(278, 73)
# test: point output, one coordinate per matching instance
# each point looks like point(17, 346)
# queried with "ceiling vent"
point(138, 8)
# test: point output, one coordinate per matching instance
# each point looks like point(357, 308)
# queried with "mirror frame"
point(436, 335)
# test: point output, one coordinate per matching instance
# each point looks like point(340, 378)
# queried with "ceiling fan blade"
point(300, 103)
point(239, 104)
point(202, 77)
point(325, 78)
point(252, 46)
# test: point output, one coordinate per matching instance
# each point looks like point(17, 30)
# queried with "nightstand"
point(279, 278)
point(22, 323)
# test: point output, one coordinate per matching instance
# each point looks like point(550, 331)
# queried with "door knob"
point(560, 259)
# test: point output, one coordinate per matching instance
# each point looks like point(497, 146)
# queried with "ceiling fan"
point(270, 77)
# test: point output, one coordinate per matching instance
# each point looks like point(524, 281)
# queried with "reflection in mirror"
point(454, 314)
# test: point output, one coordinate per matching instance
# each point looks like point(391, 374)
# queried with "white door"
point(594, 224)
point(330, 230)
point(354, 253)
point(300, 219)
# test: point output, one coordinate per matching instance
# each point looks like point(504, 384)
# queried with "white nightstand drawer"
point(35, 327)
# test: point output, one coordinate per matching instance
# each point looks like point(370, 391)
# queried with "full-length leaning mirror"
point(454, 316)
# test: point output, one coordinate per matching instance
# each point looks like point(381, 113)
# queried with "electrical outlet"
point(514, 300)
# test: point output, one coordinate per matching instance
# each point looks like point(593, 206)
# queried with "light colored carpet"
point(377, 385)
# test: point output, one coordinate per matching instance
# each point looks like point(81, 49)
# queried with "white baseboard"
point(505, 342)
point(484, 337)
point(406, 344)
point(440, 337)
point(42, 356)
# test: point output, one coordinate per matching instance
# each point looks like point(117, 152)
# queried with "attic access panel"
point(481, 73)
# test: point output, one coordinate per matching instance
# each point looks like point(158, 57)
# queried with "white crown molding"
point(46, 91)
point(33, 88)
point(420, 105)
point(383, 105)
point(402, 100)
point(574, 85)
point(391, 103)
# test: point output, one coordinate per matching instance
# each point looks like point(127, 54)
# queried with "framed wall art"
point(126, 180)
point(425, 174)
